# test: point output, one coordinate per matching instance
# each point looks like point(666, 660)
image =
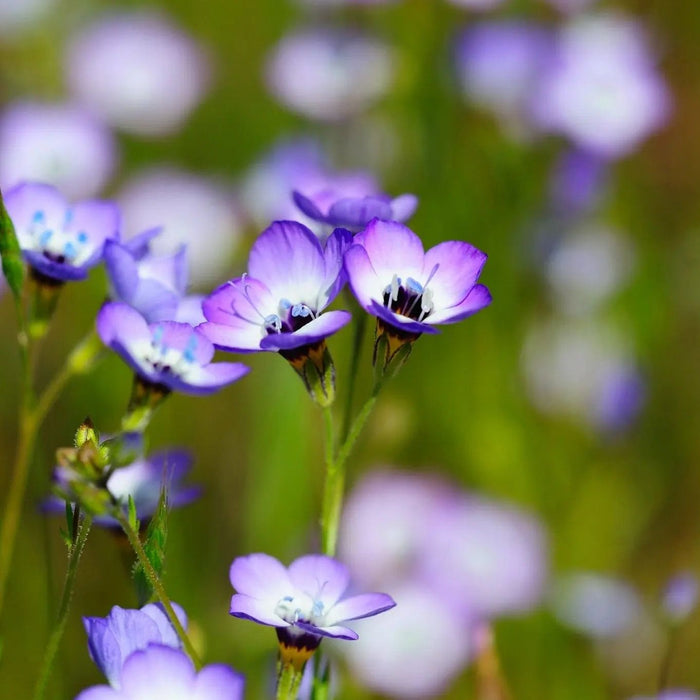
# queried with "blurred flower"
point(602, 90)
point(59, 240)
point(411, 290)
point(583, 369)
point(143, 481)
point(18, 17)
point(192, 210)
point(137, 71)
point(577, 182)
point(352, 212)
point(487, 558)
point(499, 63)
point(414, 650)
point(587, 266)
point(681, 596)
point(112, 639)
point(189, 310)
point(329, 75)
point(161, 672)
point(278, 304)
point(173, 355)
point(303, 602)
point(596, 605)
point(670, 695)
point(387, 521)
point(60, 144)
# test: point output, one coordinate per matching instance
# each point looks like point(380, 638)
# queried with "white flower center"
point(62, 246)
point(159, 357)
point(301, 608)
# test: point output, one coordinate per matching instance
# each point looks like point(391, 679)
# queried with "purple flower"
point(60, 144)
point(138, 72)
point(152, 285)
point(278, 304)
point(681, 596)
point(59, 240)
point(342, 208)
point(578, 181)
point(194, 210)
point(674, 694)
point(143, 480)
point(329, 75)
point(170, 354)
point(304, 602)
point(112, 639)
point(161, 672)
point(602, 90)
point(409, 289)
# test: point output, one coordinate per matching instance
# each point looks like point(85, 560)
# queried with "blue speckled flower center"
point(59, 244)
point(301, 608)
point(166, 359)
point(409, 298)
point(289, 318)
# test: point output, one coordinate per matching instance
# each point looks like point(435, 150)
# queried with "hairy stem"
point(75, 553)
point(156, 584)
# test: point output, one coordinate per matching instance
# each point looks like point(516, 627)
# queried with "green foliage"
point(154, 546)
point(12, 262)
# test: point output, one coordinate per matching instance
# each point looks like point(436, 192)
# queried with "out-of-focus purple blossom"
point(17, 18)
point(340, 208)
point(189, 310)
point(596, 605)
point(681, 596)
point(192, 209)
point(499, 63)
point(587, 266)
point(60, 240)
point(585, 370)
point(387, 521)
point(60, 144)
point(409, 289)
point(489, 558)
point(414, 650)
point(162, 672)
point(137, 71)
point(168, 353)
point(112, 639)
point(602, 89)
point(278, 305)
point(329, 75)
point(153, 285)
point(303, 602)
point(577, 182)
point(143, 481)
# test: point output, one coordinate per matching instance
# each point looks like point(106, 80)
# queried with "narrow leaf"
point(154, 546)
point(12, 261)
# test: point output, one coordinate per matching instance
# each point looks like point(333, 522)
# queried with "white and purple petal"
point(478, 298)
point(258, 610)
point(322, 327)
point(360, 606)
point(260, 576)
point(322, 578)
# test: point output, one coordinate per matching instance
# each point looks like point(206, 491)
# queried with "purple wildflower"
point(138, 72)
point(162, 672)
point(336, 207)
point(681, 596)
point(303, 602)
point(57, 143)
point(169, 354)
point(143, 480)
point(329, 75)
point(112, 639)
point(409, 290)
point(278, 304)
point(674, 694)
point(60, 241)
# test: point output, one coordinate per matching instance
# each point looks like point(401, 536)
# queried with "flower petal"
point(307, 206)
point(99, 692)
point(117, 321)
point(162, 671)
point(139, 245)
point(477, 299)
point(360, 606)
point(122, 270)
point(168, 635)
point(55, 270)
point(238, 336)
point(357, 212)
point(402, 323)
point(207, 380)
point(288, 258)
point(362, 277)
point(218, 682)
point(334, 631)
point(457, 267)
point(257, 610)
point(181, 336)
point(100, 220)
point(403, 207)
point(321, 577)
point(334, 251)
point(392, 249)
point(27, 199)
point(325, 325)
point(260, 576)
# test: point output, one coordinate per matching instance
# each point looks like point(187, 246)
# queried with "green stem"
point(359, 334)
point(156, 584)
point(288, 683)
point(76, 551)
point(330, 435)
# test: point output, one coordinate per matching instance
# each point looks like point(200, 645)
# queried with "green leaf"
point(133, 519)
point(12, 261)
point(154, 546)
